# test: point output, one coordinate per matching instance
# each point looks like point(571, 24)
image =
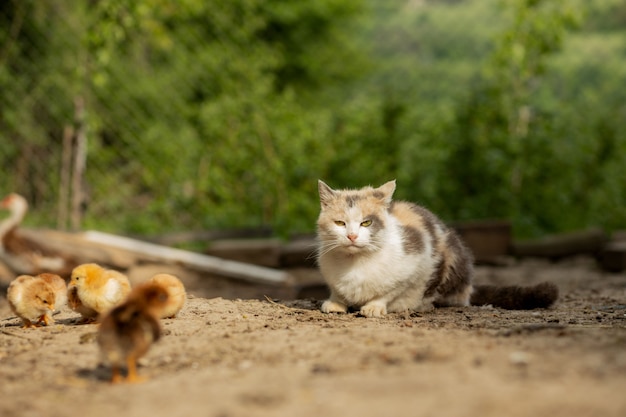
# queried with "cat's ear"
point(386, 190)
point(326, 193)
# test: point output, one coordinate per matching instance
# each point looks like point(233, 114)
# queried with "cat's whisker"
point(313, 255)
point(326, 248)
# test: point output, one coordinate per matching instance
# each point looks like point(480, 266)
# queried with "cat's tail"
point(515, 297)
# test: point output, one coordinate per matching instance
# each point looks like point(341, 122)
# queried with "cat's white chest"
point(358, 279)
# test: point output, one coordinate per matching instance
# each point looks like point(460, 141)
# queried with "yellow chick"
point(94, 290)
point(128, 330)
point(31, 299)
point(176, 292)
point(60, 293)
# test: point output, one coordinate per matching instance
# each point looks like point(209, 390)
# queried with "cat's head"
point(353, 220)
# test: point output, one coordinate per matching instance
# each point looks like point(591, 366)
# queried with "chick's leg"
point(116, 375)
point(132, 377)
point(45, 319)
point(29, 324)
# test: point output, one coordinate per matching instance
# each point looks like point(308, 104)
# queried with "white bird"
point(23, 255)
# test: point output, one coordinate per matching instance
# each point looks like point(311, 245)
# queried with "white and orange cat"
point(378, 256)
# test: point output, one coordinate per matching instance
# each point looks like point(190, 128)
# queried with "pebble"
point(519, 358)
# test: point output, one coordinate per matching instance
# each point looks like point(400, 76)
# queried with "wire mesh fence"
point(158, 115)
point(101, 109)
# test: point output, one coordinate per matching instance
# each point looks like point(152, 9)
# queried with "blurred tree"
point(503, 154)
point(224, 113)
point(34, 64)
point(215, 94)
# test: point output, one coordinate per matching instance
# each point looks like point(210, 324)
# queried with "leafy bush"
point(214, 114)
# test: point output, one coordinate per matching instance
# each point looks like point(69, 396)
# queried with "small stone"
point(519, 358)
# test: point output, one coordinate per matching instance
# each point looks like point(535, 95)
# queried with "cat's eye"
point(340, 223)
point(366, 223)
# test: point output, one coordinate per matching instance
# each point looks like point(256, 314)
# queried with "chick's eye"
point(366, 223)
point(340, 223)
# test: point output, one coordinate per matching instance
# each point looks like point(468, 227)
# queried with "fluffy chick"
point(94, 290)
point(31, 299)
point(128, 330)
point(60, 293)
point(176, 292)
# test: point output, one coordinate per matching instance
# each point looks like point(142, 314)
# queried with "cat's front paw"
point(330, 306)
point(373, 310)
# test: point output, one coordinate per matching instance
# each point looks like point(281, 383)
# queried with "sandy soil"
point(236, 357)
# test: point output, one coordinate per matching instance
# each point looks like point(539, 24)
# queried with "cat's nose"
point(352, 237)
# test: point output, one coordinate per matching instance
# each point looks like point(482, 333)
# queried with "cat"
point(379, 255)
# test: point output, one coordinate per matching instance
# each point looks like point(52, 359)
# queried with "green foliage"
point(213, 100)
point(500, 128)
point(224, 113)
point(34, 64)
point(509, 139)
point(514, 155)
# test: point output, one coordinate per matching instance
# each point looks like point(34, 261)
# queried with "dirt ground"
point(229, 358)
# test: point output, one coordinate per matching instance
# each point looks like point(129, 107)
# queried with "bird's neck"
point(11, 222)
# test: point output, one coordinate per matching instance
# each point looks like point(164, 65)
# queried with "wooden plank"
point(171, 239)
point(263, 252)
point(589, 241)
point(618, 236)
point(203, 284)
point(613, 256)
point(75, 245)
point(211, 264)
point(487, 239)
point(299, 252)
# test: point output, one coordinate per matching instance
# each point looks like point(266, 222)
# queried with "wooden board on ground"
point(172, 239)
point(300, 252)
point(263, 252)
point(590, 242)
point(198, 261)
point(488, 240)
point(613, 256)
point(123, 253)
point(207, 285)
point(271, 252)
point(75, 245)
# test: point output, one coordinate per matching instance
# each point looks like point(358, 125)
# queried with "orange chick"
point(31, 299)
point(94, 290)
point(176, 292)
point(128, 330)
point(60, 292)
